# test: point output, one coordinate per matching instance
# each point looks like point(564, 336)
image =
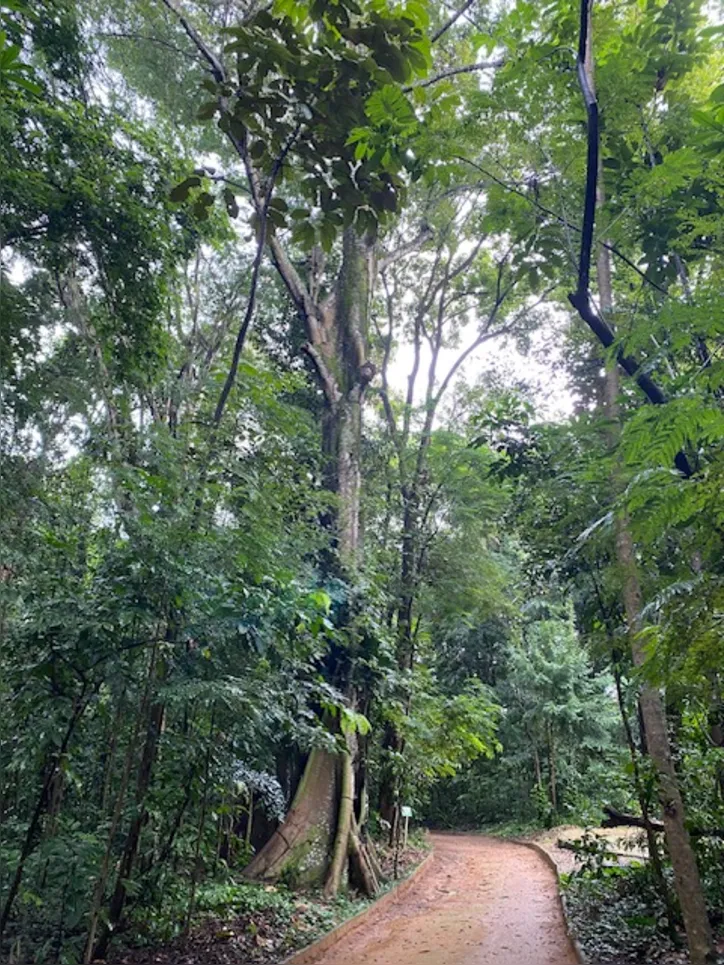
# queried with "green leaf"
point(232, 206)
point(207, 110)
point(393, 61)
point(303, 234)
point(30, 86)
point(327, 234)
point(276, 217)
point(181, 191)
point(352, 722)
point(390, 106)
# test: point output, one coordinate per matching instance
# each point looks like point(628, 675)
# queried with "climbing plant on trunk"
point(686, 874)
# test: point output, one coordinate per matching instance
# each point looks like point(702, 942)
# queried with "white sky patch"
point(541, 368)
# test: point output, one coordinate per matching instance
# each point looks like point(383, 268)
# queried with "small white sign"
point(406, 811)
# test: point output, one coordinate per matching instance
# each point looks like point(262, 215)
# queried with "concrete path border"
point(307, 954)
point(533, 846)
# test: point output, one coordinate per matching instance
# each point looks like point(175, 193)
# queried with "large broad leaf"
point(390, 106)
point(181, 191)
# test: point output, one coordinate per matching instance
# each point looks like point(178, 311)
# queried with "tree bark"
point(716, 735)
point(552, 771)
point(616, 819)
point(686, 873)
point(196, 870)
point(652, 844)
point(301, 846)
point(363, 867)
point(537, 768)
point(344, 828)
point(155, 711)
point(102, 879)
point(337, 347)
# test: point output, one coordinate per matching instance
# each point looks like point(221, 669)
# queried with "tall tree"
point(688, 883)
point(470, 293)
point(293, 119)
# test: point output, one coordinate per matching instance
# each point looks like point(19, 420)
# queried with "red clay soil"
point(482, 901)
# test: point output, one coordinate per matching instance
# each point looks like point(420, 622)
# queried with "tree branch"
point(217, 68)
point(589, 205)
point(453, 72)
point(329, 386)
point(564, 221)
point(451, 21)
point(617, 819)
point(127, 35)
point(581, 298)
point(484, 336)
point(256, 270)
point(384, 391)
point(385, 260)
point(293, 282)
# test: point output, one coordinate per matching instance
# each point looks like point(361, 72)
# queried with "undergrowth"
point(241, 921)
point(617, 911)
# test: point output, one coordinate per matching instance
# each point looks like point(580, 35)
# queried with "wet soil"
point(480, 901)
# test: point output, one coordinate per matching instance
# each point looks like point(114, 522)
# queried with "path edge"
point(304, 956)
point(533, 846)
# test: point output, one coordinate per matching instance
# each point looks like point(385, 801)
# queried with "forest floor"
point(248, 924)
point(616, 914)
point(482, 900)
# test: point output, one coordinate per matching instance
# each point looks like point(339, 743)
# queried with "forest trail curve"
point(483, 901)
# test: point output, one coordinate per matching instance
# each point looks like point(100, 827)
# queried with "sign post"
point(406, 812)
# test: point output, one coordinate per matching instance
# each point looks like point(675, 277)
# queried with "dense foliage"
point(285, 510)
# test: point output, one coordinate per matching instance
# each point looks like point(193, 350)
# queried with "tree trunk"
point(408, 576)
point(536, 765)
point(392, 744)
point(552, 771)
point(344, 828)
point(388, 791)
point(117, 904)
point(346, 373)
point(363, 867)
point(315, 832)
point(643, 799)
point(250, 819)
point(102, 879)
point(301, 846)
point(683, 860)
point(686, 873)
point(341, 441)
point(196, 870)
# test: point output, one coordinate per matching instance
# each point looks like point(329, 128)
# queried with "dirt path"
point(482, 902)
